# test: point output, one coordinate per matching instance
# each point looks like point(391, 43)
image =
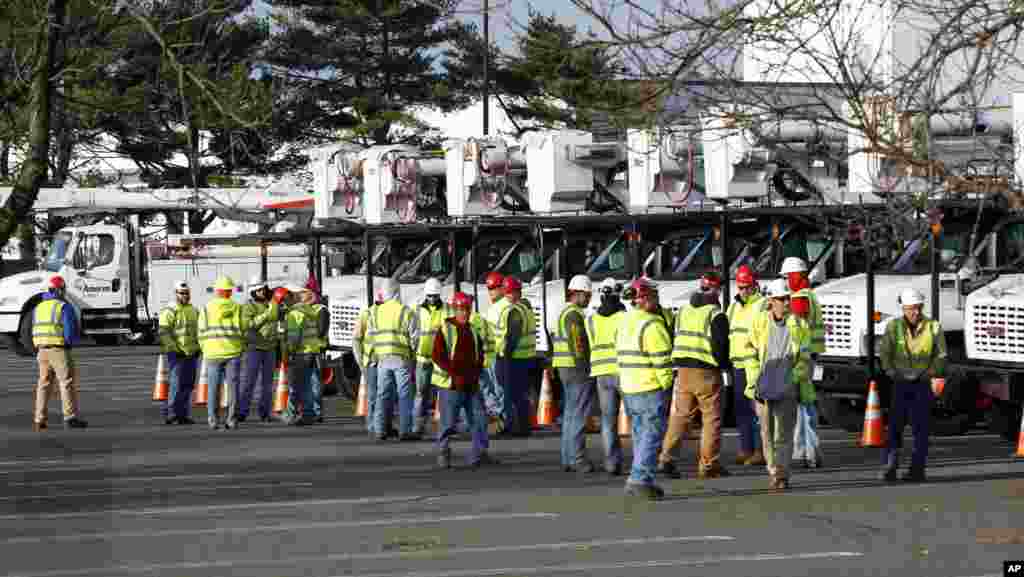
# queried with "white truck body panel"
point(994, 325)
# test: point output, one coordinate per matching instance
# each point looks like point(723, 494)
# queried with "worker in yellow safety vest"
point(913, 355)
point(700, 352)
point(261, 314)
point(491, 390)
point(747, 305)
point(644, 350)
point(571, 357)
point(430, 314)
point(779, 381)
point(517, 342)
point(602, 329)
point(222, 340)
point(395, 332)
point(362, 350)
point(304, 342)
point(55, 331)
point(179, 343)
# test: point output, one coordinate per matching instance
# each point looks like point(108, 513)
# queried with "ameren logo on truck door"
point(81, 286)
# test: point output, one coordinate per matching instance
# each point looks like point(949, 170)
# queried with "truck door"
point(97, 276)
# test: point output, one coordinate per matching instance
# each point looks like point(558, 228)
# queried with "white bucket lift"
point(337, 192)
point(790, 156)
point(484, 177)
point(560, 168)
point(665, 169)
point(389, 180)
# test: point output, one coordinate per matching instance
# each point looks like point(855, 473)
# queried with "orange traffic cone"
point(872, 436)
point(161, 385)
point(1020, 438)
point(625, 425)
point(546, 411)
point(362, 402)
point(201, 392)
point(281, 392)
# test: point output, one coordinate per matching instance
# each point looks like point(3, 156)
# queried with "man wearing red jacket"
point(458, 357)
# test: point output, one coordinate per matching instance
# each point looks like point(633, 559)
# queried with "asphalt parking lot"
point(130, 496)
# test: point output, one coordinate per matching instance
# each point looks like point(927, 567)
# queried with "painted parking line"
point(455, 551)
point(278, 527)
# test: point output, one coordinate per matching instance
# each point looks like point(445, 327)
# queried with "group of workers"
point(642, 356)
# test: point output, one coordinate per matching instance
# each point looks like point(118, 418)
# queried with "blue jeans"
point(610, 397)
point(514, 377)
point(913, 400)
point(805, 434)
point(219, 371)
point(259, 375)
point(453, 402)
point(301, 372)
point(371, 398)
point(182, 374)
point(649, 413)
point(393, 377)
point(317, 389)
point(579, 401)
point(747, 424)
point(424, 398)
point(490, 391)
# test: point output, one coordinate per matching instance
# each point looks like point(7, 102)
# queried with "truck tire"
point(21, 343)
point(841, 413)
point(107, 340)
point(951, 425)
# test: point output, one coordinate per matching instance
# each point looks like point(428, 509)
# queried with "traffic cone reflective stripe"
point(201, 392)
point(362, 402)
point(625, 426)
point(281, 392)
point(1020, 438)
point(872, 436)
point(161, 385)
point(546, 411)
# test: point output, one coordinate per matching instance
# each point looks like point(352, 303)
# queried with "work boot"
point(778, 483)
point(889, 475)
point(405, 437)
point(38, 427)
point(444, 460)
point(756, 459)
point(669, 470)
point(241, 418)
point(817, 462)
point(649, 492)
point(713, 473)
point(914, 475)
point(585, 467)
point(170, 420)
point(487, 459)
point(75, 423)
point(615, 470)
point(741, 458)
point(185, 421)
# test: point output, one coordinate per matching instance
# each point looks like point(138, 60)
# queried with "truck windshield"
point(1014, 240)
point(524, 262)
point(916, 257)
point(58, 249)
point(611, 261)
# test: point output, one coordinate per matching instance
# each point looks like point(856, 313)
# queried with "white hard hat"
point(911, 297)
point(580, 283)
point(181, 287)
point(793, 264)
point(609, 285)
point(778, 288)
point(432, 286)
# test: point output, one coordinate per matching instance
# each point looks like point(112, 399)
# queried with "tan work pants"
point(778, 419)
point(56, 364)
point(696, 389)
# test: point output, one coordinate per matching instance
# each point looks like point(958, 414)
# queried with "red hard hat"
point(494, 280)
point(461, 300)
point(512, 284)
point(710, 280)
point(57, 282)
point(643, 286)
point(280, 294)
point(744, 276)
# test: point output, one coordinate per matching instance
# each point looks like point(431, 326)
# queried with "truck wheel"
point(949, 425)
point(107, 340)
point(21, 343)
point(347, 375)
point(842, 413)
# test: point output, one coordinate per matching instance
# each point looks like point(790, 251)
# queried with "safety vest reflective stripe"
point(692, 334)
point(389, 330)
point(220, 331)
point(527, 344)
point(640, 366)
point(741, 317)
point(179, 329)
point(563, 355)
point(601, 331)
point(438, 376)
point(48, 324)
point(487, 334)
point(429, 321)
point(361, 344)
point(310, 329)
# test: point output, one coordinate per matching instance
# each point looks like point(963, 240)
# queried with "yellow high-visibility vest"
point(362, 345)
point(741, 317)
point(602, 331)
point(526, 346)
point(48, 324)
point(429, 320)
point(179, 329)
point(390, 329)
point(644, 352)
point(563, 353)
point(922, 351)
point(693, 333)
point(221, 329)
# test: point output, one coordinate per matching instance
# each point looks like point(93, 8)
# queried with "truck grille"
point(542, 341)
point(998, 331)
point(839, 334)
point(343, 320)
